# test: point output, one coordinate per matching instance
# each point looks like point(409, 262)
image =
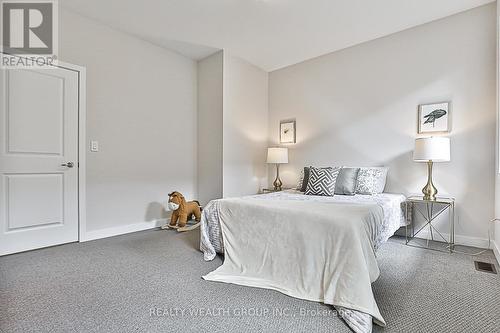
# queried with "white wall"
point(358, 106)
point(141, 107)
point(245, 130)
point(210, 110)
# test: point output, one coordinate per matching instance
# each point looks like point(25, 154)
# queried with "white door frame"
point(82, 143)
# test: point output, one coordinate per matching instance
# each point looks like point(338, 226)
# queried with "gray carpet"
point(111, 285)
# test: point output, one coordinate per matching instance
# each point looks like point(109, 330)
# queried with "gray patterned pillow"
point(322, 181)
point(301, 181)
point(371, 180)
point(304, 179)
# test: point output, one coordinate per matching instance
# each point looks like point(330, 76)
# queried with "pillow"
point(305, 180)
point(346, 181)
point(371, 180)
point(300, 183)
point(322, 181)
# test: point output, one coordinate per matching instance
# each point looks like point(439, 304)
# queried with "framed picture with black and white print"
point(287, 131)
point(434, 118)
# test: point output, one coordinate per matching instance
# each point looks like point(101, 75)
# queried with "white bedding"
point(211, 237)
point(387, 221)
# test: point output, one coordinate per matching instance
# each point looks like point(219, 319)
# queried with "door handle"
point(69, 164)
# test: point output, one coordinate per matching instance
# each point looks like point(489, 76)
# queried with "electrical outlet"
point(94, 146)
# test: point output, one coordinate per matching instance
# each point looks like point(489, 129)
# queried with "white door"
point(38, 158)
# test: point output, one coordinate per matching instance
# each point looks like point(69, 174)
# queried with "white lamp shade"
point(277, 155)
point(435, 149)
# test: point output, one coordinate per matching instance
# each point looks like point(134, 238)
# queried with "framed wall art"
point(287, 131)
point(434, 118)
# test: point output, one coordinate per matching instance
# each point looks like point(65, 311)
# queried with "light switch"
point(94, 146)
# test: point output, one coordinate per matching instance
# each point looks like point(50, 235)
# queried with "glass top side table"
point(446, 204)
point(272, 190)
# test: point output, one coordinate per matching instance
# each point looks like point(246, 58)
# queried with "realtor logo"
point(29, 32)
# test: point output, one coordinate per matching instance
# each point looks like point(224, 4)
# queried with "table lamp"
point(430, 150)
point(277, 156)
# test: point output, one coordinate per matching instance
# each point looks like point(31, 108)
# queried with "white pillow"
point(371, 180)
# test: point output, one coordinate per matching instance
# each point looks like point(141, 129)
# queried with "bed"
point(310, 247)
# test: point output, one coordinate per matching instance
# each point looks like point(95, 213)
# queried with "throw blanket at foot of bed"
point(324, 255)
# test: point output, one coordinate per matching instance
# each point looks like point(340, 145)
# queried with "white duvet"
point(211, 237)
point(314, 248)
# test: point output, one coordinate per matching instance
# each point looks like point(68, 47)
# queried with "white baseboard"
point(121, 230)
point(496, 251)
point(459, 239)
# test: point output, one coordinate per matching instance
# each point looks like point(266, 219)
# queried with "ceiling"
point(268, 33)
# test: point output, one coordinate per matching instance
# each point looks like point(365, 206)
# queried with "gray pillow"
point(305, 180)
point(346, 181)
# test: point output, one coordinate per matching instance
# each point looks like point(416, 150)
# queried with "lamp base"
point(429, 190)
point(277, 182)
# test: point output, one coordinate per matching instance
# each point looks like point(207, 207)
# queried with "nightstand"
point(445, 204)
point(271, 190)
